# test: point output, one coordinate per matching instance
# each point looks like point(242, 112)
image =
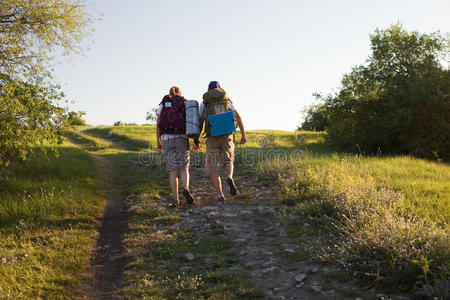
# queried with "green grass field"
point(48, 212)
point(388, 216)
point(383, 219)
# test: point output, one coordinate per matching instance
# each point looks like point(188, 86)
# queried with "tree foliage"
point(75, 118)
point(28, 118)
point(315, 118)
point(30, 31)
point(399, 101)
point(151, 116)
point(31, 106)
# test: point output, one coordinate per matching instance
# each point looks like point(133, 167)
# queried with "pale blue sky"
point(270, 56)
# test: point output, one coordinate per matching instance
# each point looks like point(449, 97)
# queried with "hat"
point(213, 85)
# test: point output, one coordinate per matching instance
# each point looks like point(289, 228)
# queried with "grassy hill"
point(389, 216)
point(384, 220)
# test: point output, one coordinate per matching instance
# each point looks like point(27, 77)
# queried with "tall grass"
point(390, 227)
point(48, 212)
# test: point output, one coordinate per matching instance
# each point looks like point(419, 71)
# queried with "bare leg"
point(217, 183)
point(173, 175)
point(184, 174)
point(229, 169)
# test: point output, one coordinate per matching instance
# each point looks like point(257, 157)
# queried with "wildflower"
point(4, 261)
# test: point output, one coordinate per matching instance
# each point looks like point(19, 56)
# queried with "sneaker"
point(233, 189)
point(222, 200)
point(174, 204)
point(188, 196)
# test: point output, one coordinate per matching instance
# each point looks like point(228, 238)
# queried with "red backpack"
point(172, 119)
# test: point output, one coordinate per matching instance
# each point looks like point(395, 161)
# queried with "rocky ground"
point(258, 230)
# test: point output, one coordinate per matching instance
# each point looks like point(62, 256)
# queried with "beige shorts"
point(219, 152)
point(176, 153)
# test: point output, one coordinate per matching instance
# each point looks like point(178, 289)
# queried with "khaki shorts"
point(219, 152)
point(176, 153)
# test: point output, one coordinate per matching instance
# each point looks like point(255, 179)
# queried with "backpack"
point(172, 119)
point(215, 101)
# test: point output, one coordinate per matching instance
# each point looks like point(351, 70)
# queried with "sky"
point(270, 56)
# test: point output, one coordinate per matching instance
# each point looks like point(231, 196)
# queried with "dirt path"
point(108, 257)
point(267, 254)
point(253, 222)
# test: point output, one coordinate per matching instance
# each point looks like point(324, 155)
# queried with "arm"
point(158, 135)
point(241, 127)
point(197, 145)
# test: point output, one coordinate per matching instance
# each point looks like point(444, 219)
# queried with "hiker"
point(219, 149)
point(173, 142)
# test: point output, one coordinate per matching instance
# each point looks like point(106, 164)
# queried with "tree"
point(75, 118)
point(28, 118)
point(398, 102)
point(315, 118)
point(31, 106)
point(151, 116)
point(30, 31)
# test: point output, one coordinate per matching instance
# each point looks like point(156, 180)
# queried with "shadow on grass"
point(125, 141)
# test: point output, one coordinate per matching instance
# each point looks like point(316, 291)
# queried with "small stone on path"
point(133, 208)
point(189, 256)
point(316, 288)
point(300, 278)
point(212, 214)
point(268, 270)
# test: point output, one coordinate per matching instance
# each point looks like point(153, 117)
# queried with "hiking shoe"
point(188, 196)
point(222, 200)
point(233, 189)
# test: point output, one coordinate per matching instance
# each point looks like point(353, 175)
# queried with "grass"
point(87, 142)
point(388, 216)
point(383, 220)
point(158, 248)
point(48, 212)
point(134, 138)
point(153, 241)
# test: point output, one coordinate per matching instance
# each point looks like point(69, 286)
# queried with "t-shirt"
point(168, 136)
point(202, 109)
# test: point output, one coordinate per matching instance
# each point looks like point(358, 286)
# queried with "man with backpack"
point(219, 149)
point(173, 142)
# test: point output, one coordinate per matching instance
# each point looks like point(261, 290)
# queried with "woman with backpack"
point(173, 142)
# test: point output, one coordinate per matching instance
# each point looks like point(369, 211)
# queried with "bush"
point(29, 117)
point(76, 118)
point(315, 118)
point(399, 102)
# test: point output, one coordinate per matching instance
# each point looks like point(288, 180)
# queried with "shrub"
point(315, 118)
point(30, 116)
point(76, 118)
point(399, 102)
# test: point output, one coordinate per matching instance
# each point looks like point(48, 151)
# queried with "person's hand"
point(159, 146)
point(243, 139)
point(197, 147)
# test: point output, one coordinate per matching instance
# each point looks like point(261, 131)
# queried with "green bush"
point(399, 102)
point(75, 118)
point(315, 118)
point(30, 117)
